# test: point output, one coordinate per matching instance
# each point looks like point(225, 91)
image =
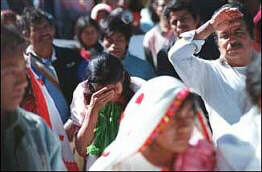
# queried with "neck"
point(43, 52)
point(159, 156)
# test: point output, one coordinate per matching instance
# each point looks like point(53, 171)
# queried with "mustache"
point(234, 45)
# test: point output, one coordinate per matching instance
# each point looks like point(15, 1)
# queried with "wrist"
point(211, 27)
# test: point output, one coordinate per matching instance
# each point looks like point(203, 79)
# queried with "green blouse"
point(107, 127)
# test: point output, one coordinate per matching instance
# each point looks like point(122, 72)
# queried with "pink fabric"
point(200, 157)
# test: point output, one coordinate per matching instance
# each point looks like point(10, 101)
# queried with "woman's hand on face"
point(225, 18)
point(101, 97)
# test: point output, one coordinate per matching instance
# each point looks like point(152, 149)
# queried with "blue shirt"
point(138, 67)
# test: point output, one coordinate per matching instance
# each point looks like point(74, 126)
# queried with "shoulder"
point(33, 120)
point(35, 124)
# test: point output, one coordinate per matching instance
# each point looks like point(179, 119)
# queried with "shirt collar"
point(31, 50)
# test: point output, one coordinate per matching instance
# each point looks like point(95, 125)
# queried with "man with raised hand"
point(221, 83)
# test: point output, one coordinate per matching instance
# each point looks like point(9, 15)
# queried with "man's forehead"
point(242, 26)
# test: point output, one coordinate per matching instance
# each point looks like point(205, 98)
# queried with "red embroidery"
point(140, 98)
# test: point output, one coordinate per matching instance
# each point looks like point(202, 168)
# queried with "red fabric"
point(85, 54)
point(196, 158)
point(29, 104)
point(39, 99)
point(71, 166)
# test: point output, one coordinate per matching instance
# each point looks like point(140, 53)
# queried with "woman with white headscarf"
point(162, 128)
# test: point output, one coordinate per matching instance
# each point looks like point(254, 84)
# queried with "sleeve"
point(191, 69)
point(78, 105)
point(233, 154)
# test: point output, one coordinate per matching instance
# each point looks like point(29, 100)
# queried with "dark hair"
point(253, 79)
point(107, 69)
point(81, 24)
point(118, 21)
point(247, 17)
point(152, 11)
point(176, 5)
point(11, 40)
point(31, 16)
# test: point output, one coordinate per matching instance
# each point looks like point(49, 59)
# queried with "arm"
point(193, 71)
point(85, 134)
point(222, 20)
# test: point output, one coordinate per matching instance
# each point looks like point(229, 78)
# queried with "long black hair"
point(106, 69)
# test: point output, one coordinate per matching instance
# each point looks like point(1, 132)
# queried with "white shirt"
point(240, 149)
point(221, 86)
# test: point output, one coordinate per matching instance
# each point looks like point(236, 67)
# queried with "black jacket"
point(66, 66)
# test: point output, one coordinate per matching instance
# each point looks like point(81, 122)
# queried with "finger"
point(108, 94)
point(102, 91)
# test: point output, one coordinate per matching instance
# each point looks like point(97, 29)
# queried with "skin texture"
point(89, 36)
point(116, 45)
point(13, 80)
point(234, 40)
point(103, 95)
point(182, 21)
point(173, 139)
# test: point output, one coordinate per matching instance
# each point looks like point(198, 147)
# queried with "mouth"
point(46, 37)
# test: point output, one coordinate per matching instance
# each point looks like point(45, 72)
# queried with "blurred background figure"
point(87, 33)
point(159, 36)
point(8, 17)
point(257, 31)
point(100, 12)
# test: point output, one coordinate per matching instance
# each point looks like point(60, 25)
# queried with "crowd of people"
point(171, 85)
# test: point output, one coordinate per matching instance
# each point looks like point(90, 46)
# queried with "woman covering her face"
point(162, 128)
point(98, 103)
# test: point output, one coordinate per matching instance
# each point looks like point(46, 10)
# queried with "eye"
point(223, 36)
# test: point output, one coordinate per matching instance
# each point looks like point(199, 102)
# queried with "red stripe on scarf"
point(40, 99)
point(203, 126)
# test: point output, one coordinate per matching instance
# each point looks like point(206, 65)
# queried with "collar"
point(44, 60)
point(11, 119)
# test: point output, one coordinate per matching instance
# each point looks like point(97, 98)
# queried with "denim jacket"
point(28, 144)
